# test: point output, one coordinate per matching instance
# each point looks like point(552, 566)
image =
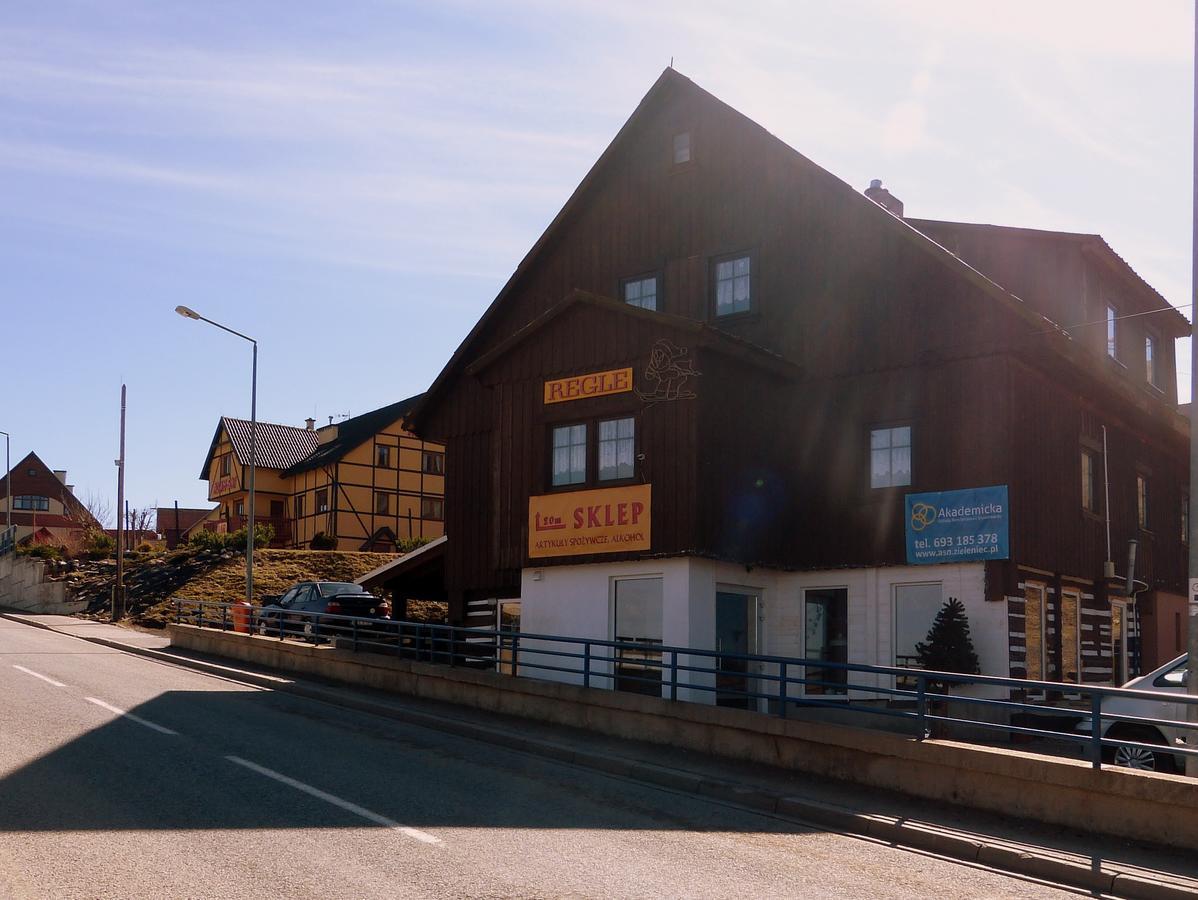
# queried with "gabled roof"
point(709, 336)
point(1168, 319)
point(44, 483)
point(186, 517)
point(431, 551)
point(671, 79)
point(351, 433)
point(275, 446)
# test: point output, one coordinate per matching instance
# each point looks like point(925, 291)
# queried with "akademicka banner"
point(957, 526)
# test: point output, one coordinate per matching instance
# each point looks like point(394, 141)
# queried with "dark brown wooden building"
point(697, 409)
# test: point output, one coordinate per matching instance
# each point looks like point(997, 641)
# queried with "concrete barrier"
point(22, 587)
point(1141, 806)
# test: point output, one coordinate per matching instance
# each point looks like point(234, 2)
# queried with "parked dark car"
point(302, 610)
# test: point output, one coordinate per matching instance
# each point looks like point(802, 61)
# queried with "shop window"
point(826, 633)
point(34, 504)
point(382, 503)
point(733, 286)
point(641, 292)
point(617, 449)
point(432, 508)
point(322, 500)
point(915, 608)
point(890, 457)
point(637, 618)
point(433, 463)
point(382, 456)
point(569, 455)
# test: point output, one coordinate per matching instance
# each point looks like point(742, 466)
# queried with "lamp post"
point(249, 531)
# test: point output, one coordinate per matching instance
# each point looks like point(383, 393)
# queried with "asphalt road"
point(124, 777)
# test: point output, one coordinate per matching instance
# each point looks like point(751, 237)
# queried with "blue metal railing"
point(8, 540)
point(771, 685)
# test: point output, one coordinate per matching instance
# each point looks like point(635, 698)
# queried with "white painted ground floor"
point(872, 616)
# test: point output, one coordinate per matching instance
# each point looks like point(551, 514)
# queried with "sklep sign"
point(614, 520)
point(957, 526)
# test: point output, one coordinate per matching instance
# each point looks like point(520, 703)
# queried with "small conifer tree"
point(949, 647)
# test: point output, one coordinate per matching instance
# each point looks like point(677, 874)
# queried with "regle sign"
point(957, 526)
point(594, 384)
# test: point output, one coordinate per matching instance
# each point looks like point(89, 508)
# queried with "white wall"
point(577, 601)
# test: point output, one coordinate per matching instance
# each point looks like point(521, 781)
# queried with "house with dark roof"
point(728, 401)
point(366, 482)
point(44, 506)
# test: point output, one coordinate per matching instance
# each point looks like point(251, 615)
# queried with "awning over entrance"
point(419, 575)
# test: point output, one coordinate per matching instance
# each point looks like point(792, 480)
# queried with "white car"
point(1169, 680)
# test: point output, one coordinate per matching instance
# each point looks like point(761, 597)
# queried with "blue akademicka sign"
point(957, 526)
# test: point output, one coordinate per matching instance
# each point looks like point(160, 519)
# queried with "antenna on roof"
point(671, 62)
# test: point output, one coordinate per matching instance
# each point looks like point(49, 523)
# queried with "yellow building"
point(366, 482)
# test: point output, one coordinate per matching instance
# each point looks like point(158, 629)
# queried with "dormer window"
point(1150, 361)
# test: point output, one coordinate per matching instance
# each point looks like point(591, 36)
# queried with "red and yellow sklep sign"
point(606, 521)
point(595, 384)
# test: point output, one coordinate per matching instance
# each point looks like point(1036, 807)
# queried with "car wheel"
point(1141, 757)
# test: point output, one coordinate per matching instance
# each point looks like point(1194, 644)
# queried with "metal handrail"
point(665, 670)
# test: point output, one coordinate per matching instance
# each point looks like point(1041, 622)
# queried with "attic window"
point(682, 148)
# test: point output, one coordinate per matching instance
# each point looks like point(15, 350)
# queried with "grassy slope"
point(277, 570)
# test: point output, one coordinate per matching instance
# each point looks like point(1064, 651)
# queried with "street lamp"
point(188, 313)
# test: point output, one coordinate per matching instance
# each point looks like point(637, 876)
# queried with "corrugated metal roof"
point(275, 446)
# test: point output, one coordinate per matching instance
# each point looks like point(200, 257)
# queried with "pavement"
point(1091, 864)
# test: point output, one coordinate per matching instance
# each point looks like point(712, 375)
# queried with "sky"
point(351, 183)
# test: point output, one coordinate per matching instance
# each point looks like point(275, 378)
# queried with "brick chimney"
point(310, 423)
point(61, 475)
point(884, 198)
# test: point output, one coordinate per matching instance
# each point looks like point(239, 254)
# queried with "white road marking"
point(415, 833)
point(128, 715)
point(38, 675)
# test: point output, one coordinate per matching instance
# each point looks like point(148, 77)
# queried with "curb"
point(1017, 859)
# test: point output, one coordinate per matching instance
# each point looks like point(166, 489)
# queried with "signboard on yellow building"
point(612, 520)
point(593, 384)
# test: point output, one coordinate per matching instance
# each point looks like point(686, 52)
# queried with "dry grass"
point(274, 572)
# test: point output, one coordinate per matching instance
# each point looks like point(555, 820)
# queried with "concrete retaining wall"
point(1141, 806)
point(22, 586)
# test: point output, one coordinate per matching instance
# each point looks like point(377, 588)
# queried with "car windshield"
point(333, 588)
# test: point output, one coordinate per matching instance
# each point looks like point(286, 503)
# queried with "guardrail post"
point(782, 690)
point(921, 706)
point(515, 654)
point(586, 664)
point(673, 674)
point(1096, 730)
point(354, 637)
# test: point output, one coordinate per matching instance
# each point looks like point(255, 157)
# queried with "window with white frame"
point(617, 449)
point(641, 292)
point(1112, 332)
point(733, 286)
point(569, 455)
point(890, 457)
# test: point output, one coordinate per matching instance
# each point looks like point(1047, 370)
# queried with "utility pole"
point(118, 591)
point(1192, 599)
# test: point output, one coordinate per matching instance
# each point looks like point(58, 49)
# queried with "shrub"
point(263, 535)
point(407, 545)
point(322, 541)
point(98, 544)
point(44, 551)
point(144, 548)
point(207, 540)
